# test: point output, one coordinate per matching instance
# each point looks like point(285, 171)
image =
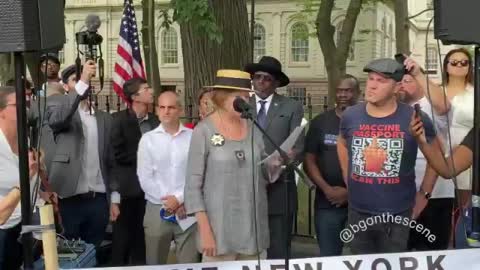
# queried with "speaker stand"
point(474, 237)
point(27, 240)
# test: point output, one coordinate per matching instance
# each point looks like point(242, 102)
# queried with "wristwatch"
point(426, 194)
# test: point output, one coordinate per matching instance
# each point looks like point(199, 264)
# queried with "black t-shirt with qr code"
point(382, 155)
point(321, 140)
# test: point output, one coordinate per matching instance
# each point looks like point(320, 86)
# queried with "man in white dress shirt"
point(162, 162)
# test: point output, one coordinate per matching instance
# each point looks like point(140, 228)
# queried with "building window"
point(351, 51)
point(112, 53)
point(432, 60)
point(298, 93)
point(383, 38)
point(390, 41)
point(299, 43)
point(169, 46)
point(258, 42)
point(61, 56)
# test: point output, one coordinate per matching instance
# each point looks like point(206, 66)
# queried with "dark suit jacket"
point(124, 141)
point(64, 120)
point(283, 116)
point(47, 143)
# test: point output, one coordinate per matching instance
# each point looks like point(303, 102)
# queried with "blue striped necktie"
point(262, 114)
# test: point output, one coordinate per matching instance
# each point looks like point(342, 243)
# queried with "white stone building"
point(276, 35)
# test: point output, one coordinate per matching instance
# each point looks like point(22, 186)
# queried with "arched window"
point(299, 45)
point(259, 42)
point(390, 41)
point(338, 29)
point(383, 38)
point(169, 46)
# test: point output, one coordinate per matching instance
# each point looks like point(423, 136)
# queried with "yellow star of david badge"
point(217, 140)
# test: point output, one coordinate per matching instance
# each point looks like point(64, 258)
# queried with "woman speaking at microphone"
point(230, 206)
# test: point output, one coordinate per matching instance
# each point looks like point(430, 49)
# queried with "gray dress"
point(219, 182)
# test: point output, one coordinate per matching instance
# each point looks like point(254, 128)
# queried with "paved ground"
point(303, 247)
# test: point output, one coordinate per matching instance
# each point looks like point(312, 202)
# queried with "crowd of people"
point(204, 187)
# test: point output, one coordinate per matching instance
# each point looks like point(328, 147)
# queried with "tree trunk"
point(402, 27)
point(149, 45)
point(202, 56)
point(335, 55)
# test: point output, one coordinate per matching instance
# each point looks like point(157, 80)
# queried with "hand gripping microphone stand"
point(241, 106)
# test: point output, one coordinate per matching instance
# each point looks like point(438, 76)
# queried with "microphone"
point(241, 106)
point(92, 22)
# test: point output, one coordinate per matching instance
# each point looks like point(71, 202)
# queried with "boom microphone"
point(241, 106)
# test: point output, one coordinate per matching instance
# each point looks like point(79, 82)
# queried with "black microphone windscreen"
point(240, 105)
point(92, 22)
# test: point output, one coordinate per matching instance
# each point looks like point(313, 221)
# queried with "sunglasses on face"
point(457, 63)
point(263, 77)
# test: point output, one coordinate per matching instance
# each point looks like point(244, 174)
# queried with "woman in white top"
point(458, 73)
point(10, 210)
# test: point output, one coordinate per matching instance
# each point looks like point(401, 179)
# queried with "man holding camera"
point(79, 171)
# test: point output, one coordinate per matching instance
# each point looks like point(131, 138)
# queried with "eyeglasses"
point(50, 64)
point(259, 77)
point(344, 90)
point(457, 63)
point(11, 104)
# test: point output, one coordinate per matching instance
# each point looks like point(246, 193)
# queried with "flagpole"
point(151, 14)
point(252, 29)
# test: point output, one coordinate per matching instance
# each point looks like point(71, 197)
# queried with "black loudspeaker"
point(31, 25)
point(456, 21)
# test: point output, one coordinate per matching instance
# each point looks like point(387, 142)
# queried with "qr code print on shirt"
point(391, 166)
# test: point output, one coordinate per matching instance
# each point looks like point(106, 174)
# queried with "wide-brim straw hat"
point(230, 79)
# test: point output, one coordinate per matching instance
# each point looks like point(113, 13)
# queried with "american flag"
point(129, 62)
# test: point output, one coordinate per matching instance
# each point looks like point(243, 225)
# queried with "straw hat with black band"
point(230, 79)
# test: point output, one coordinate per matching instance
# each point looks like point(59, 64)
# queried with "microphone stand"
point(474, 237)
point(288, 164)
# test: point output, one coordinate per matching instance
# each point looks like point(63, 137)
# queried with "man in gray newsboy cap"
point(377, 155)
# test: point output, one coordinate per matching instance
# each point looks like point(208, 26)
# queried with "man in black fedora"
point(279, 116)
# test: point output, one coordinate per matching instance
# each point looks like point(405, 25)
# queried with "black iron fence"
point(313, 105)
